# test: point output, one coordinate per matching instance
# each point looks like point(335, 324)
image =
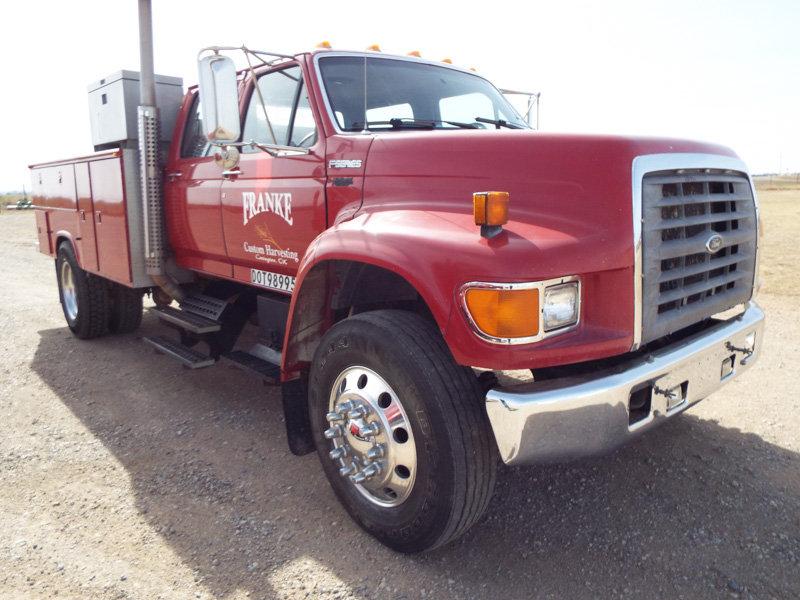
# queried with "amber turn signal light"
point(490, 210)
point(504, 313)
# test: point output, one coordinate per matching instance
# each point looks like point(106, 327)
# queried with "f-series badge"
point(344, 163)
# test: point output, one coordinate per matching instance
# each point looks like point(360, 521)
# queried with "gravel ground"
point(124, 476)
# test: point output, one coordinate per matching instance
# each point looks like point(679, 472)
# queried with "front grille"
point(683, 282)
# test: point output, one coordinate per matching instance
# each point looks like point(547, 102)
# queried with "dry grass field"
point(124, 476)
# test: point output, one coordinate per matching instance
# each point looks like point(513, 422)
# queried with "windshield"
point(383, 94)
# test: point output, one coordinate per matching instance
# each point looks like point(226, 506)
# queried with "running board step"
point(186, 320)
point(204, 306)
point(183, 354)
point(245, 361)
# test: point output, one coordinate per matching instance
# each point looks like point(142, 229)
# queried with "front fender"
point(436, 252)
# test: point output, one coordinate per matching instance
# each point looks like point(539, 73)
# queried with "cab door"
point(192, 199)
point(274, 206)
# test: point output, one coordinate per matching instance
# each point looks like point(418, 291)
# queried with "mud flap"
point(295, 412)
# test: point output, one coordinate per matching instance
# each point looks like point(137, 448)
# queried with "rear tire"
point(447, 477)
point(125, 312)
point(83, 296)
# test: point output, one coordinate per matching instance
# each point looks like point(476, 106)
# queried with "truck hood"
point(570, 192)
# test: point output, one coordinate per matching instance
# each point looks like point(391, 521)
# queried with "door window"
point(194, 142)
point(285, 117)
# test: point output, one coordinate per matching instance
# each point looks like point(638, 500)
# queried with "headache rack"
point(698, 246)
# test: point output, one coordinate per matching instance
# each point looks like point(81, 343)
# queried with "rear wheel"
point(84, 297)
point(401, 430)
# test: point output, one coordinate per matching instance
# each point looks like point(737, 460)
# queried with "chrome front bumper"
point(562, 419)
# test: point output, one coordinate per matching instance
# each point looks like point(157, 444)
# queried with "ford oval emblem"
point(714, 243)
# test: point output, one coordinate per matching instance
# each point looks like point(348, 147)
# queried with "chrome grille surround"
point(680, 202)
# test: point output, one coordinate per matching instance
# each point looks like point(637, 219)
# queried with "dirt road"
point(124, 476)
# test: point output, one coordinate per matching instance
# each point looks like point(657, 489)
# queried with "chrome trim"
point(735, 311)
point(527, 285)
point(373, 54)
point(648, 163)
point(587, 415)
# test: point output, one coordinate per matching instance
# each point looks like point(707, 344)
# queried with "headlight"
point(560, 307)
point(521, 313)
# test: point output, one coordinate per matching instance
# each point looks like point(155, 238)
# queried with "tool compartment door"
point(110, 219)
point(86, 234)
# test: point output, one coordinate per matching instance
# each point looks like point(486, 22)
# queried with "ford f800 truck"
point(395, 237)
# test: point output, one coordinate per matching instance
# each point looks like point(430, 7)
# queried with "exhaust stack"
point(148, 121)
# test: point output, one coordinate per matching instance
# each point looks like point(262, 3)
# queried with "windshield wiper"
point(410, 123)
point(499, 123)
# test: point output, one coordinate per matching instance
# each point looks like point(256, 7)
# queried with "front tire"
point(401, 430)
point(83, 296)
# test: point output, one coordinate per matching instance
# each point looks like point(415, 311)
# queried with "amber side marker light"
point(491, 212)
point(504, 314)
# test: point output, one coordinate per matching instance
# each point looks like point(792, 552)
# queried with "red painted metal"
point(82, 200)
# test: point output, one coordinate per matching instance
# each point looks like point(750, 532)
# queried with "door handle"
point(231, 173)
point(99, 217)
point(83, 215)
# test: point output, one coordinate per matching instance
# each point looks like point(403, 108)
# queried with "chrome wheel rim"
point(372, 441)
point(68, 291)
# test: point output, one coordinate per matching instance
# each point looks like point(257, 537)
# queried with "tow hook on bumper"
point(568, 418)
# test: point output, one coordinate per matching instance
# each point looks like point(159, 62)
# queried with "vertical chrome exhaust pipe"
point(150, 173)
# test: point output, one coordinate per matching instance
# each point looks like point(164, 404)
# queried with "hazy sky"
point(723, 71)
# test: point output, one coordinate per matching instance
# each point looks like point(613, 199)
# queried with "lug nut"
point(357, 412)
point(372, 469)
point(338, 453)
point(334, 417)
point(376, 452)
point(345, 407)
point(333, 432)
point(359, 477)
point(371, 430)
point(368, 472)
point(347, 469)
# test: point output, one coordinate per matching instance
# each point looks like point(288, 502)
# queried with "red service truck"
point(393, 239)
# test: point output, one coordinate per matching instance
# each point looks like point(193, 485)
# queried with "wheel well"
point(62, 239)
point(336, 289)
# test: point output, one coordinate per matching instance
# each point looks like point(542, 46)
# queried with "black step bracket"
point(254, 365)
point(183, 354)
point(186, 320)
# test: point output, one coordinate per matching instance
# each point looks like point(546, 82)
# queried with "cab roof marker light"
point(449, 61)
point(374, 48)
point(490, 210)
point(415, 53)
point(324, 44)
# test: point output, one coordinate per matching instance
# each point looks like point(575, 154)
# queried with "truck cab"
point(434, 285)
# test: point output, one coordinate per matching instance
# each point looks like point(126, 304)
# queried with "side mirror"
point(219, 98)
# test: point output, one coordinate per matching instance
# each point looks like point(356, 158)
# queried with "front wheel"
point(401, 430)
